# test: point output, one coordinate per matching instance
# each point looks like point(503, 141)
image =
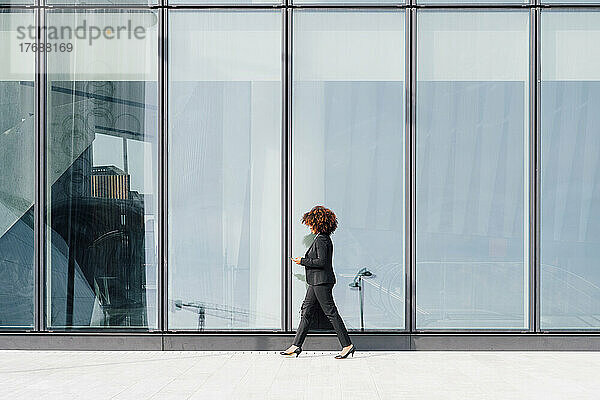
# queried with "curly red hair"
point(322, 219)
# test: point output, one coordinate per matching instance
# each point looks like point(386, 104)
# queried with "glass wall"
point(17, 177)
point(570, 2)
point(87, 3)
point(232, 3)
point(17, 3)
point(203, 135)
point(489, 3)
point(570, 165)
point(348, 154)
point(349, 2)
point(472, 169)
point(101, 172)
point(224, 172)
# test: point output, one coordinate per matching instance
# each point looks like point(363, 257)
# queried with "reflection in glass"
point(99, 3)
point(570, 170)
point(101, 176)
point(471, 2)
point(232, 3)
point(17, 176)
point(224, 206)
point(20, 2)
point(348, 2)
point(348, 155)
point(570, 2)
point(472, 170)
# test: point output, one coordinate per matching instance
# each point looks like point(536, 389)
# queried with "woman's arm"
point(322, 256)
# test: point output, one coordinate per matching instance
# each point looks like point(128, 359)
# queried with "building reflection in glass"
point(17, 174)
point(101, 211)
point(16, 203)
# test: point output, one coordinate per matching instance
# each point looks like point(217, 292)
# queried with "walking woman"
point(320, 279)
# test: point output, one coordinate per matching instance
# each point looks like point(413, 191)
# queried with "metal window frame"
point(286, 173)
point(163, 176)
point(531, 39)
point(533, 295)
point(40, 4)
point(42, 126)
point(40, 157)
point(40, 256)
point(411, 184)
point(285, 193)
point(287, 10)
point(548, 8)
point(409, 72)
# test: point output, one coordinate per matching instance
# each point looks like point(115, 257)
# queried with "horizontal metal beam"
point(516, 342)
point(52, 341)
point(366, 6)
point(314, 342)
point(274, 342)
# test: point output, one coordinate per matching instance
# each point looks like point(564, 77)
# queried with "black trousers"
point(320, 295)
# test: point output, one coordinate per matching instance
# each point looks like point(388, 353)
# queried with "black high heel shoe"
point(296, 352)
point(339, 356)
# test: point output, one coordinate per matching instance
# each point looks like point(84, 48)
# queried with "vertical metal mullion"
point(286, 238)
point(38, 276)
point(165, 165)
point(533, 286)
point(531, 178)
point(42, 131)
point(407, 169)
point(162, 175)
point(37, 188)
point(413, 169)
point(535, 168)
point(287, 168)
point(283, 283)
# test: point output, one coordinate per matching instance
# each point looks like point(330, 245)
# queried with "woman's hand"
point(296, 260)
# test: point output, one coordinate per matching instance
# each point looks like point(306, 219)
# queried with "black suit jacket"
point(318, 261)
